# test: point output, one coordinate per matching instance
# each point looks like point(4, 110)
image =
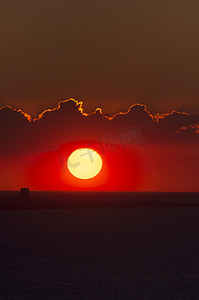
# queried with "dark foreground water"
point(134, 253)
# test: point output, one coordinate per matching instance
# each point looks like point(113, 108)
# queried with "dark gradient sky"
point(107, 53)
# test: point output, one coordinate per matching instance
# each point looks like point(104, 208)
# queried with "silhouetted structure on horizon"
point(25, 193)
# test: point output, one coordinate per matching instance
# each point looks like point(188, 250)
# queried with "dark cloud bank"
point(69, 123)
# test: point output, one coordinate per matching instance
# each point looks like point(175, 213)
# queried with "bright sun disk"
point(84, 163)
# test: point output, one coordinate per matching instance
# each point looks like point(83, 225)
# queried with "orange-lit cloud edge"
point(79, 105)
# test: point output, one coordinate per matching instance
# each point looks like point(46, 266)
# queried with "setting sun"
point(84, 163)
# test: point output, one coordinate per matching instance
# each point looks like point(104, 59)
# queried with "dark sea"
point(118, 253)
